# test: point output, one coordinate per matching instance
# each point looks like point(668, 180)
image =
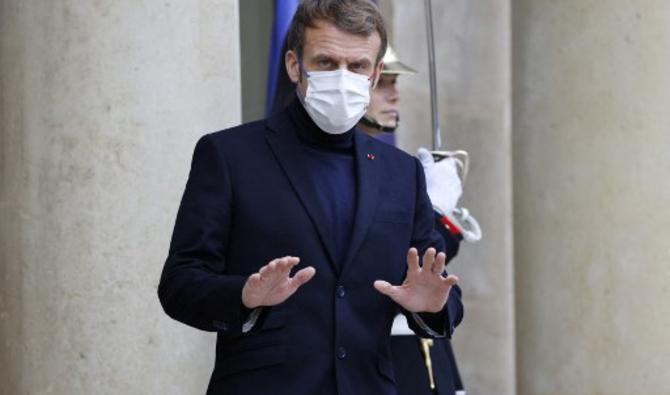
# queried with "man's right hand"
point(272, 284)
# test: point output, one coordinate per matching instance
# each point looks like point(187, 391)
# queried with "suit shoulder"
point(240, 138)
point(245, 131)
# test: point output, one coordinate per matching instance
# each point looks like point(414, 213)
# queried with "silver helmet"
point(393, 65)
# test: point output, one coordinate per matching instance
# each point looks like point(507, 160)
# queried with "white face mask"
point(336, 100)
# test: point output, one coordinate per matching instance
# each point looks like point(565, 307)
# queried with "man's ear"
point(378, 73)
point(292, 66)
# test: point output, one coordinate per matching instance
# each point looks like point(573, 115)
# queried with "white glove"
point(444, 188)
point(442, 181)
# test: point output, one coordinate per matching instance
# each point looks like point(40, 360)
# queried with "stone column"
point(592, 196)
point(101, 104)
point(473, 52)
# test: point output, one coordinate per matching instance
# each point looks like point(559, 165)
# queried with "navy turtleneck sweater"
point(329, 160)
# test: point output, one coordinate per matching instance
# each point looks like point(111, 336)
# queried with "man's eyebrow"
point(361, 61)
point(321, 56)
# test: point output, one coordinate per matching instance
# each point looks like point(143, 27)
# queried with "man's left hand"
point(424, 290)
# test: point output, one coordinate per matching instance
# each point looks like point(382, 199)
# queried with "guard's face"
point(384, 101)
point(328, 48)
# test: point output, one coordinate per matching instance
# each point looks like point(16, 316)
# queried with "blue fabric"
point(283, 13)
point(329, 161)
point(332, 174)
point(388, 138)
point(249, 199)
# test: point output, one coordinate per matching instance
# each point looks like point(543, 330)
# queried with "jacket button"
point(341, 352)
point(340, 291)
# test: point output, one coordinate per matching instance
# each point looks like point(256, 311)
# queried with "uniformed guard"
point(422, 366)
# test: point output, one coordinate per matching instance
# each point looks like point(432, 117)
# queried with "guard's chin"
point(387, 122)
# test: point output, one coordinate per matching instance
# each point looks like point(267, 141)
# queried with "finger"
point(450, 280)
point(288, 263)
point(302, 276)
point(283, 265)
point(291, 262)
point(425, 157)
point(385, 287)
point(279, 266)
point(254, 280)
point(440, 262)
point(428, 259)
point(269, 268)
point(413, 260)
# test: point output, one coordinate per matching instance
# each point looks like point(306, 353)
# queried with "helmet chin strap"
point(373, 123)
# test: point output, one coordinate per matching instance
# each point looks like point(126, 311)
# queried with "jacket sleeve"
point(194, 288)
point(425, 235)
point(452, 241)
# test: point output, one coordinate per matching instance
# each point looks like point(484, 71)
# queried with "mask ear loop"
point(303, 73)
point(302, 70)
point(373, 82)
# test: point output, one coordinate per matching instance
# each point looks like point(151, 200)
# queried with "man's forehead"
point(325, 39)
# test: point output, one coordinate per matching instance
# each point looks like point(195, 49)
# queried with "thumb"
point(303, 275)
point(384, 287)
point(425, 157)
point(451, 280)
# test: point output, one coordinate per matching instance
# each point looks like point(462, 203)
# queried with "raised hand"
point(424, 290)
point(272, 284)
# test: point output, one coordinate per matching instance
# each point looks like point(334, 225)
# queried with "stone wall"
point(592, 197)
point(101, 105)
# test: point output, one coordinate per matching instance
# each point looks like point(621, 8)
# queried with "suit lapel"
point(367, 193)
point(287, 149)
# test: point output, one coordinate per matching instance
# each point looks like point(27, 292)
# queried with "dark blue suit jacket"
point(247, 201)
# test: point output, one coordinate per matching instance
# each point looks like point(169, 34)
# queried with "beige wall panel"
point(101, 105)
point(591, 144)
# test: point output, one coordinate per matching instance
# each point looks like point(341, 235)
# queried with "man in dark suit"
point(291, 230)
